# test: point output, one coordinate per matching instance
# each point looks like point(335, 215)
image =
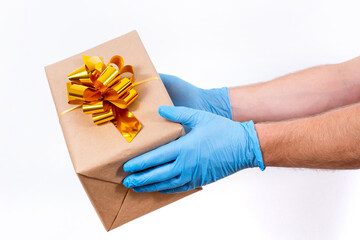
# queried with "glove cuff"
point(258, 161)
point(218, 101)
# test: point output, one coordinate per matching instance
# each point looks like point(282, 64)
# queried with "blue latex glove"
point(182, 93)
point(215, 148)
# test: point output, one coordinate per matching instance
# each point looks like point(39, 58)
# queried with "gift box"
point(98, 152)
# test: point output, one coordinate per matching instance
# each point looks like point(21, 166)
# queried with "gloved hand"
point(215, 148)
point(182, 93)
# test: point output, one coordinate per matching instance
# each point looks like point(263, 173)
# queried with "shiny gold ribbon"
point(105, 91)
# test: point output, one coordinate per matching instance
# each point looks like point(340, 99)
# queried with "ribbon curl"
point(105, 91)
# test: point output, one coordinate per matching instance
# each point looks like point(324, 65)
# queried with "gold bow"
point(105, 91)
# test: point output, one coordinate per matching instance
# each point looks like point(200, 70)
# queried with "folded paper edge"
point(122, 203)
point(109, 227)
point(107, 223)
point(190, 192)
point(185, 194)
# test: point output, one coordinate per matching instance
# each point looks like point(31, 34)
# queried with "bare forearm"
point(328, 141)
point(299, 94)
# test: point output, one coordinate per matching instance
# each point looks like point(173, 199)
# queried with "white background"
point(208, 43)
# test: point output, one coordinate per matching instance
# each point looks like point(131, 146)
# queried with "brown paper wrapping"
point(99, 152)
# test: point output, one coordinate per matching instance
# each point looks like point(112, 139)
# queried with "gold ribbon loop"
point(78, 94)
point(91, 108)
point(103, 117)
point(105, 91)
point(129, 70)
point(119, 89)
point(94, 66)
point(92, 63)
point(78, 74)
point(107, 78)
point(117, 60)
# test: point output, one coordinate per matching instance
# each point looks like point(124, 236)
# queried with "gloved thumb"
point(166, 79)
point(183, 115)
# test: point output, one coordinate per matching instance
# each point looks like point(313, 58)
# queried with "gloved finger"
point(158, 156)
point(158, 174)
point(183, 188)
point(183, 115)
point(168, 184)
point(187, 129)
point(168, 80)
point(180, 91)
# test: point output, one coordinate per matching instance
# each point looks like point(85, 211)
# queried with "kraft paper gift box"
point(98, 152)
